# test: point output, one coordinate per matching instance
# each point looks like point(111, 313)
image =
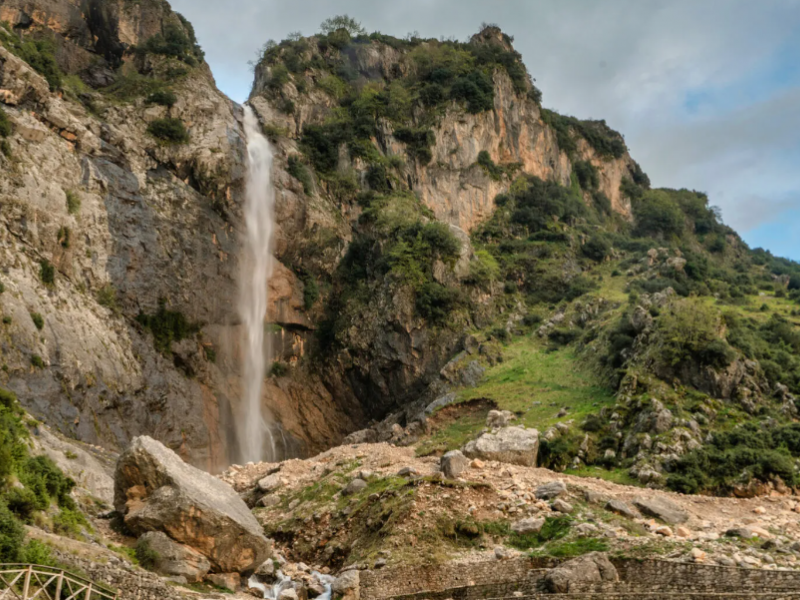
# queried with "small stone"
point(698, 555)
point(453, 464)
point(380, 563)
point(726, 561)
point(501, 553)
point(354, 487)
point(407, 472)
point(365, 474)
point(760, 510)
point(683, 532)
point(294, 504)
point(740, 532)
point(550, 490)
point(270, 483)
point(529, 525)
point(663, 530)
point(477, 464)
point(288, 594)
point(562, 506)
point(230, 581)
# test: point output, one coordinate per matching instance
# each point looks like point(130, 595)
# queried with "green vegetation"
point(5, 124)
point(604, 140)
point(278, 369)
point(107, 296)
point(167, 326)
point(63, 236)
point(37, 361)
point(163, 98)
point(73, 202)
point(40, 54)
point(47, 272)
point(146, 557)
point(30, 487)
point(38, 321)
point(300, 172)
point(170, 131)
point(176, 41)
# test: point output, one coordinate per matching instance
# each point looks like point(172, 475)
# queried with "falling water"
point(255, 436)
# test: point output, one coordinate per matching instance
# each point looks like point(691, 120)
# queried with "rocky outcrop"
point(156, 491)
point(661, 508)
point(172, 559)
point(590, 568)
point(515, 445)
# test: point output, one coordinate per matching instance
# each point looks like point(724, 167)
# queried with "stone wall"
point(521, 578)
point(133, 583)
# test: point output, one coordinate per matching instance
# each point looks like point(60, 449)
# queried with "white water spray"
point(255, 436)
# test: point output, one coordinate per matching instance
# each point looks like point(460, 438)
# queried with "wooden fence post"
point(89, 591)
point(26, 587)
point(59, 585)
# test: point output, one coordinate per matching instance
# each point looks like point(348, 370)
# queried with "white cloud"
point(631, 62)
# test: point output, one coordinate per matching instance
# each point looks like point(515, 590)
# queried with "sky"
point(706, 92)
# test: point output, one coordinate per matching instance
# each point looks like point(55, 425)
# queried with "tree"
point(352, 26)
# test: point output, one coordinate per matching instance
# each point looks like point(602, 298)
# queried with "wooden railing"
point(31, 582)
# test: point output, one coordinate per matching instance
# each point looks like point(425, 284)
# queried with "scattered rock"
point(288, 594)
point(621, 508)
point(740, 532)
point(501, 553)
point(354, 487)
point(683, 532)
point(173, 559)
point(453, 464)
point(698, 555)
point(270, 483)
point(562, 506)
point(590, 568)
point(550, 490)
point(347, 584)
point(661, 508)
point(515, 445)
point(529, 525)
point(663, 530)
point(156, 491)
point(497, 419)
point(407, 472)
point(477, 464)
point(593, 497)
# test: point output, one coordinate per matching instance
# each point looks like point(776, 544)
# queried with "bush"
point(418, 143)
point(12, 536)
point(477, 89)
point(597, 248)
point(435, 302)
point(70, 523)
point(40, 54)
point(63, 237)
point(38, 321)
point(542, 202)
point(171, 131)
point(278, 369)
point(73, 202)
point(658, 215)
point(107, 296)
point(163, 98)
point(432, 94)
point(177, 42)
point(167, 326)
point(145, 555)
point(486, 162)
point(47, 272)
point(587, 174)
point(300, 172)
point(5, 124)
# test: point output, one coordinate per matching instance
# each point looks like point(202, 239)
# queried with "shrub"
point(107, 296)
point(601, 203)
point(597, 248)
point(542, 202)
point(38, 321)
point(432, 94)
point(300, 172)
point(73, 202)
point(349, 24)
point(486, 162)
point(167, 326)
point(70, 523)
point(477, 89)
point(40, 54)
point(63, 236)
point(435, 302)
point(177, 42)
point(47, 272)
point(418, 143)
point(163, 98)
point(377, 179)
point(12, 535)
point(657, 214)
point(145, 555)
point(5, 124)
point(278, 369)
point(587, 174)
point(170, 131)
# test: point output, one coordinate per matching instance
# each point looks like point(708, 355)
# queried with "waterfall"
point(256, 441)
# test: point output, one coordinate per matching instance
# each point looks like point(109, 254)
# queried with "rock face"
point(661, 508)
point(590, 568)
point(156, 491)
point(515, 445)
point(173, 559)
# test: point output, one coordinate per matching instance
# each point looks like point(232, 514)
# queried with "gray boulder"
point(550, 490)
point(499, 418)
point(270, 483)
point(661, 508)
point(590, 568)
point(347, 584)
point(354, 487)
point(154, 490)
point(562, 506)
point(515, 445)
point(453, 464)
point(172, 559)
point(526, 526)
point(621, 508)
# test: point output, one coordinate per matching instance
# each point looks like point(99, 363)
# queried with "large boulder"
point(154, 490)
point(661, 508)
point(171, 559)
point(589, 568)
point(515, 445)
